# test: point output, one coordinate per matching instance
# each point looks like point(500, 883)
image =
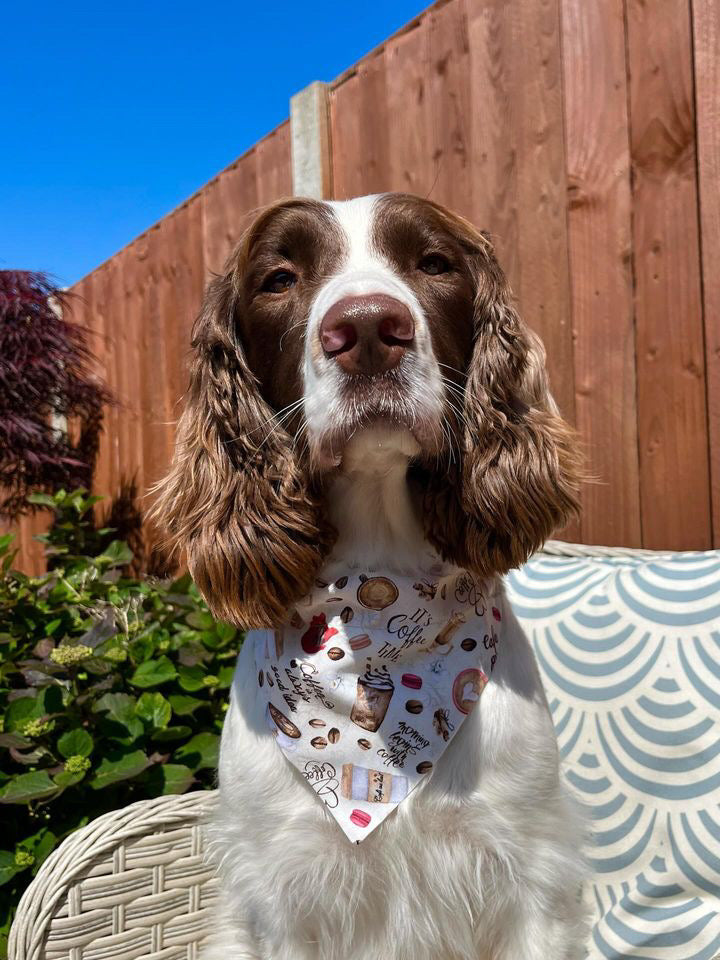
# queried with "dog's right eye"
point(279, 281)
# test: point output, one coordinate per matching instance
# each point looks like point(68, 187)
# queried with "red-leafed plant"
point(50, 403)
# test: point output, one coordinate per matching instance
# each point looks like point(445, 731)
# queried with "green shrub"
point(112, 689)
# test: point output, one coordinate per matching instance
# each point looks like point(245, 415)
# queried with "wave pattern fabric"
point(629, 650)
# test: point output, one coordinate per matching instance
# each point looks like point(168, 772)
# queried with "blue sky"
point(115, 113)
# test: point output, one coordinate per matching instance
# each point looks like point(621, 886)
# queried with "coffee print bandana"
point(372, 679)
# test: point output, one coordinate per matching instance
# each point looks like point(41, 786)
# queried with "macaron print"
point(411, 680)
point(496, 614)
point(359, 642)
point(360, 818)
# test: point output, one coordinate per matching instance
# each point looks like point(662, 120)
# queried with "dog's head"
point(331, 317)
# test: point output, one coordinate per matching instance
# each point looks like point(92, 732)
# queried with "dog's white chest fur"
point(469, 866)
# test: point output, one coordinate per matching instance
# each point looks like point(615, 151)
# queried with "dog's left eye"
point(434, 264)
point(279, 281)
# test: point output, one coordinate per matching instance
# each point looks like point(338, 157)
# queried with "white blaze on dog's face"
point(368, 350)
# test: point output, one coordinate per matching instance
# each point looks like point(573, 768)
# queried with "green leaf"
point(20, 711)
point(40, 844)
point(200, 620)
point(27, 787)
point(154, 708)
point(75, 743)
point(172, 733)
point(154, 672)
point(170, 778)
point(200, 752)
point(66, 779)
point(225, 631)
point(116, 767)
point(225, 677)
point(120, 708)
point(185, 706)
point(41, 499)
point(191, 678)
point(118, 554)
point(8, 867)
point(5, 541)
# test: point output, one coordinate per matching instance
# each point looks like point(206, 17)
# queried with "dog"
point(364, 397)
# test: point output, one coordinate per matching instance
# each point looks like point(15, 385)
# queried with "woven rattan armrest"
point(131, 884)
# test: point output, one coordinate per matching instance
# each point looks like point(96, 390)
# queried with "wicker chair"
point(131, 884)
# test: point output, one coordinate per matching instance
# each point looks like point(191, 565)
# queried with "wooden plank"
point(189, 279)
point(153, 281)
point(228, 203)
point(706, 33)
point(113, 421)
point(161, 321)
point(600, 240)
point(448, 93)
point(347, 164)
point(132, 348)
point(674, 469)
point(544, 283)
point(359, 123)
point(31, 558)
point(493, 131)
point(274, 166)
point(126, 385)
point(96, 322)
point(411, 167)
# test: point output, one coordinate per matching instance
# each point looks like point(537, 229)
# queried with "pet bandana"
point(371, 679)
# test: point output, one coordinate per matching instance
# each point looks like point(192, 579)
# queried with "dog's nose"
point(367, 334)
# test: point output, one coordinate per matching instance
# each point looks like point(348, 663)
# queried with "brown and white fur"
point(362, 388)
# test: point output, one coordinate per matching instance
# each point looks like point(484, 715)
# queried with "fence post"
point(310, 139)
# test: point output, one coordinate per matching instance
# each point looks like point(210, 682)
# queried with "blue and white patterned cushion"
point(629, 650)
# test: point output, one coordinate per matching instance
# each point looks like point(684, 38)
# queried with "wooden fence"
point(585, 135)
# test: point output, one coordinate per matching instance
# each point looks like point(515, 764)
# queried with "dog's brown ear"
point(236, 501)
point(517, 479)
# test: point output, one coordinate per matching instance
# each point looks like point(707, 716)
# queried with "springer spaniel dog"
point(368, 445)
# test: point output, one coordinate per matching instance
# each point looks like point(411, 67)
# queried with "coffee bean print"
point(269, 679)
point(424, 767)
point(413, 706)
point(333, 735)
point(335, 653)
point(320, 583)
point(293, 664)
point(316, 723)
point(347, 614)
point(319, 743)
point(364, 744)
point(468, 644)
point(261, 678)
point(341, 582)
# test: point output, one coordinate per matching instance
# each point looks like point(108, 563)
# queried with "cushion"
point(629, 650)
